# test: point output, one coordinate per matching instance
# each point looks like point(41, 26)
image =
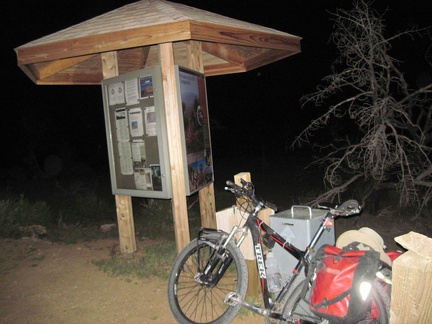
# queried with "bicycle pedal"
point(232, 299)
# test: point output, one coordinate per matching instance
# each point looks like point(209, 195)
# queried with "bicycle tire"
point(381, 301)
point(281, 306)
point(194, 302)
point(298, 308)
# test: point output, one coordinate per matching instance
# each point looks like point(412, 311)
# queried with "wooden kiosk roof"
point(73, 55)
point(144, 34)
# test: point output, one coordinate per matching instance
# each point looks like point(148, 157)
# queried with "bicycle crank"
point(233, 299)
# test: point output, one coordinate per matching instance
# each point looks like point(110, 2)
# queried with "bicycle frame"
point(256, 226)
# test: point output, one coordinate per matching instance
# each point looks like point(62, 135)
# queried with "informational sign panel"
point(196, 129)
point(136, 134)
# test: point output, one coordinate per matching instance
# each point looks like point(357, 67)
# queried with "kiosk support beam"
point(124, 210)
point(206, 194)
point(172, 112)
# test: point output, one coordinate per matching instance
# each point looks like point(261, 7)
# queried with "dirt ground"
point(43, 282)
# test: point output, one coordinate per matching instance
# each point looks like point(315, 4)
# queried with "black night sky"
point(258, 110)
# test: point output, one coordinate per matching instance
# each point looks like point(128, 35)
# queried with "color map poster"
point(196, 129)
point(146, 86)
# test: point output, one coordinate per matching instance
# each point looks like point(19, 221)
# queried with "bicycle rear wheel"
point(195, 299)
point(296, 306)
point(380, 312)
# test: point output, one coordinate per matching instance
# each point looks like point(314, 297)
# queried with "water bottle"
point(274, 278)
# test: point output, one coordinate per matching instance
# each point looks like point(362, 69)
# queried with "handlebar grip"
point(235, 189)
point(230, 183)
point(271, 206)
point(234, 186)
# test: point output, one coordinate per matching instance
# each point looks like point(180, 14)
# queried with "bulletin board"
point(195, 129)
point(136, 134)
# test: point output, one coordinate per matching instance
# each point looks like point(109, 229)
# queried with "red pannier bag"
point(335, 293)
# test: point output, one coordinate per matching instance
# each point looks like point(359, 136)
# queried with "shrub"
point(86, 207)
point(153, 218)
point(22, 212)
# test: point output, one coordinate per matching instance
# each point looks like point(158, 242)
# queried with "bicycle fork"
point(219, 261)
point(216, 266)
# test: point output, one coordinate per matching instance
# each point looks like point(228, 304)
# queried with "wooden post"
point(253, 278)
point(245, 176)
point(206, 194)
point(254, 287)
point(194, 56)
point(126, 224)
point(207, 206)
point(172, 111)
point(124, 210)
point(226, 219)
point(411, 295)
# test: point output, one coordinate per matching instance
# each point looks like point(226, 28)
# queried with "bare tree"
point(389, 142)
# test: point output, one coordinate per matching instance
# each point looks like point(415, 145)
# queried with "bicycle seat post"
point(323, 226)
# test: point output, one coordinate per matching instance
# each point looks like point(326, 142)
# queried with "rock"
point(33, 231)
point(105, 228)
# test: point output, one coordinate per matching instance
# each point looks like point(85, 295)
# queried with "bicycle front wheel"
point(195, 299)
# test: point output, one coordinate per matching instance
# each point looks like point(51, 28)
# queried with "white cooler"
point(298, 225)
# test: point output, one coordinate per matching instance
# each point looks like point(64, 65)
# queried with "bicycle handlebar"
point(248, 190)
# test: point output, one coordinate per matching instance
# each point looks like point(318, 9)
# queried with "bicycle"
point(208, 281)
